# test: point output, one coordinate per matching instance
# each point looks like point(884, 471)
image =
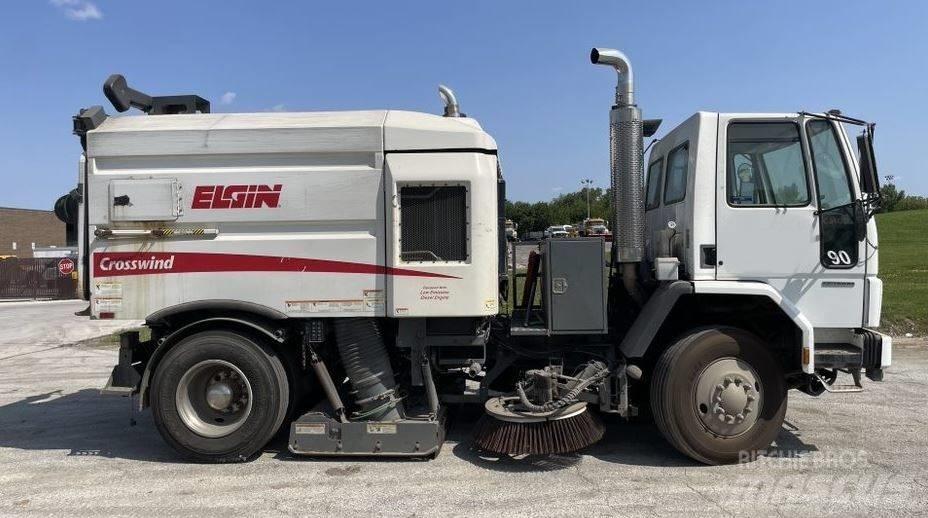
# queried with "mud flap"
point(126, 375)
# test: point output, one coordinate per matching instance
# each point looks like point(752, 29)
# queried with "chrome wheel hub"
point(219, 396)
point(213, 398)
point(727, 397)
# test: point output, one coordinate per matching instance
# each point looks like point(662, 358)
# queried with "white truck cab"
point(769, 202)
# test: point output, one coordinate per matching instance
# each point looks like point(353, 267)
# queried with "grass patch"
point(904, 270)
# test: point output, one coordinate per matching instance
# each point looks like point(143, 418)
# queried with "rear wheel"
point(219, 396)
point(718, 395)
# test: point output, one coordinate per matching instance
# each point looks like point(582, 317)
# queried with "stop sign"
point(65, 266)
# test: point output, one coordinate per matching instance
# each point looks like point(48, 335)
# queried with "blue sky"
point(520, 68)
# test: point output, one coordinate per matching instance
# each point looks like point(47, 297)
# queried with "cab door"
point(769, 222)
point(842, 225)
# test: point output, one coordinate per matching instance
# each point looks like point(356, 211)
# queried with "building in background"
point(22, 230)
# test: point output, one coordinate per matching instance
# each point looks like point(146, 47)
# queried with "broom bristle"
point(538, 438)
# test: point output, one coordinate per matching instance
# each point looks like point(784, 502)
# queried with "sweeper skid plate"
point(317, 434)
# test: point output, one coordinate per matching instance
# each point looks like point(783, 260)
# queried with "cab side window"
point(677, 163)
point(837, 215)
point(765, 165)
point(834, 189)
point(655, 179)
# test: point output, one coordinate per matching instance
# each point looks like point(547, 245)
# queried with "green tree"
point(912, 203)
point(890, 197)
point(565, 209)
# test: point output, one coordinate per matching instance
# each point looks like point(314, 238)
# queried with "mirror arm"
point(861, 217)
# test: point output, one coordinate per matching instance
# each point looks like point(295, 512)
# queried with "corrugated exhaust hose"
point(364, 356)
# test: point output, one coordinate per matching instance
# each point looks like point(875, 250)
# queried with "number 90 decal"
point(838, 258)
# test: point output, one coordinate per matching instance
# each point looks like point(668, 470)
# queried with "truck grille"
point(433, 223)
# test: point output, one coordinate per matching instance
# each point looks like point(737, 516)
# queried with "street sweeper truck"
point(344, 278)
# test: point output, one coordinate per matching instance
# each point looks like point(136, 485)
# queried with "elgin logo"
point(236, 196)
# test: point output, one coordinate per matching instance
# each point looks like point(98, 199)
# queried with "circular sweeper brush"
point(511, 429)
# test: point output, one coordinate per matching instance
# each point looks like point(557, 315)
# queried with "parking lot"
point(66, 450)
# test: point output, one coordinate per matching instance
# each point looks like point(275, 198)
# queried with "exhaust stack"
point(625, 89)
point(451, 101)
point(626, 150)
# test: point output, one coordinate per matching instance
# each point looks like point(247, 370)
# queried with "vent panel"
point(433, 223)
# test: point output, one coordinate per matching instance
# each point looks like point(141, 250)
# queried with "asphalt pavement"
point(66, 450)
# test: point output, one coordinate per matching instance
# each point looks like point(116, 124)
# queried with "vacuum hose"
point(67, 207)
point(364, 356)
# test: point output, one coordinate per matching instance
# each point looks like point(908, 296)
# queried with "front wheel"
point(718, 395)
point(219, 396)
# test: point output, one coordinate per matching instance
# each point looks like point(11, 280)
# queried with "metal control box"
point(575, 285)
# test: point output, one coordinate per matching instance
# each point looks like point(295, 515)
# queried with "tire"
point(701, 395)
point(254, 400)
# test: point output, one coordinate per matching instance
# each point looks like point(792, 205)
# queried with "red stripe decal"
point(119, 264)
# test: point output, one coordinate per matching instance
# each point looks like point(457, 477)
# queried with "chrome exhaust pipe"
point(451, 102)
point(625, 89)
point(627, 172)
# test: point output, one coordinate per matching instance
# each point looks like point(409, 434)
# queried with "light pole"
point(587, 183)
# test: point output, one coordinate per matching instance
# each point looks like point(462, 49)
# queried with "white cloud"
point(79, 10)
point(557, 189)
point(279, 108)
point(228, 98)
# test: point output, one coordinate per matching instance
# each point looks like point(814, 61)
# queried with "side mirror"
point(869, 180)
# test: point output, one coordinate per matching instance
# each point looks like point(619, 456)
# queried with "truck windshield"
point(834, 188)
